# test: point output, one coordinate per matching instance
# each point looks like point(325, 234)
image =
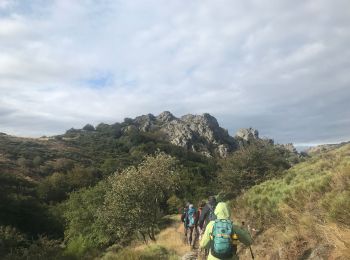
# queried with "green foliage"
point(320, 185)
point(55, 188)
point(15, 245)
point(249, 166)
point(81, 216)
point(20, 208)
point(133, 203)
point(10, 239)
point(41, 249)
point(79, 247)
point(174, 204)
point(37, 161)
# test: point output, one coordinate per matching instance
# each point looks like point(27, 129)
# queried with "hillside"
point(305, 214)
point(108, 148)
point(67, 189)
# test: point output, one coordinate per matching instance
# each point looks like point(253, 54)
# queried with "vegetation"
point(320, 183)
point(307, 208)
point(139, 192)
point(76, 195)
point(249, 166)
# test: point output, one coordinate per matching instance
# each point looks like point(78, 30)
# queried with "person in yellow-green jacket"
point(222, 236)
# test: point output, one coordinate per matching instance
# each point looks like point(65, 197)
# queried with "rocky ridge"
point(198, 133)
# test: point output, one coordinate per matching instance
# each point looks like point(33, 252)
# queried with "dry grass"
point(306, 213)
point(171, 238)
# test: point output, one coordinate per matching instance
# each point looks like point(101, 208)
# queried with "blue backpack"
point(221, 239)
point(191, 215)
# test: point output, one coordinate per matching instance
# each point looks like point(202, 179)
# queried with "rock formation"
point(199, 133)
point(248, 134)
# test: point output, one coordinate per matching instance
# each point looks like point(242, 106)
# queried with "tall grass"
point(320, 185)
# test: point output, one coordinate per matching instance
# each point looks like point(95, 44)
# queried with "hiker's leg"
point(195, 236)
point(190, 230)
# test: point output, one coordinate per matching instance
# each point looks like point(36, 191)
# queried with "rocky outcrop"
point(289, 147)
point(145, 123)
point(166, 117)
point(248, 134)
point(198, 133)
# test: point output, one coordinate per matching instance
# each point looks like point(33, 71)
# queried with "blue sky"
point(279, 66)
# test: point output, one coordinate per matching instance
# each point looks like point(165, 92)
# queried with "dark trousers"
point(192, 235)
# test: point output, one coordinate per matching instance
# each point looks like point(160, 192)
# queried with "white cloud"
point(251, 63)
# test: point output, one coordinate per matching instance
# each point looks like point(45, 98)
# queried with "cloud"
point(279, 66)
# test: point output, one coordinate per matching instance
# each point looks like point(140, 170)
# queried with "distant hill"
point(324, 148)
point(114, 146)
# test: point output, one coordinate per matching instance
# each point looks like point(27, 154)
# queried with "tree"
point(80, 212)
point(132, 205)
point(174, 203)
point(249, 166)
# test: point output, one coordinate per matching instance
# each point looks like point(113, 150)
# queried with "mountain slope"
point(304, 215)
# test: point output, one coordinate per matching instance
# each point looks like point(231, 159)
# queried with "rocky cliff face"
point(198, 133)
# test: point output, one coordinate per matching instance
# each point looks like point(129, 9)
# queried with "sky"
point(281, 67)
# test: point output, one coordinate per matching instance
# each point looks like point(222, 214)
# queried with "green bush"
point(78, 246)
point(174, 204)
point(133, 204)
point(249, 166)
point(80, 212)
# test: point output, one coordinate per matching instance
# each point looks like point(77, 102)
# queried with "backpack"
point(191, 214)
point(211, 215)
point(221, 239)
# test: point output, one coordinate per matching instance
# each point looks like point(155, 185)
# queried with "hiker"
point(221, 235)
point(207, 214)
point(192, 216)
point(184, 218)
point(200, 210)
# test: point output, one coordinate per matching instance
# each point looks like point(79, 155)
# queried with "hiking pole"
point(250, 248)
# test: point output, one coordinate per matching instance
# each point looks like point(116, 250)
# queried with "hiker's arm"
point(243, 236)
point(206, 236)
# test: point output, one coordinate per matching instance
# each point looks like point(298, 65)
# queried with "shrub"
point(174, 203)
point(249, 166)
point(132, 205)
